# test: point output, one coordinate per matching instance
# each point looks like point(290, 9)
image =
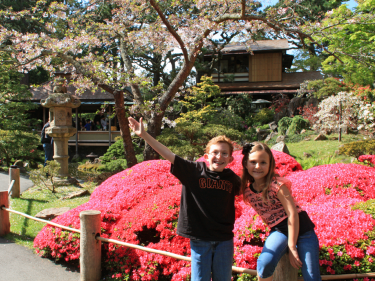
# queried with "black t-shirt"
point(207, 201)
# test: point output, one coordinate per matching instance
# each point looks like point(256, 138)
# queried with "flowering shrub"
point(369, 160)
point(355, 113)
point(140, 205)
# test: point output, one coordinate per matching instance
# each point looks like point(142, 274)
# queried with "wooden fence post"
point(14, 174)
point(285, 271)
point(90, 248)
point(4, 215)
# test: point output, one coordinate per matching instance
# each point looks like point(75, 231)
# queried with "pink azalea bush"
point(140, 205)
point(369, 160)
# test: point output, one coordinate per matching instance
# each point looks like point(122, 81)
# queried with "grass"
point(322, 152)
point(34, 200)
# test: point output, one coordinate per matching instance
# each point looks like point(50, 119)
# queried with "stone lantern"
point(60, 106)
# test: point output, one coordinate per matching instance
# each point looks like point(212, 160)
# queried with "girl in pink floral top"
point(291, 227)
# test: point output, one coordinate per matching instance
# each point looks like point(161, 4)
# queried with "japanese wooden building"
point(261, 74)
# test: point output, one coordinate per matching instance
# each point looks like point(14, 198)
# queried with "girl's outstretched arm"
point(139, 130)
point(286, 200)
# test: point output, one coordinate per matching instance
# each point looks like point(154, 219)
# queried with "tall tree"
point(16, 137)
point(349, 37)
point(132, 27)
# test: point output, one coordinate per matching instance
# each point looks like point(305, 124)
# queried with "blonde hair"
point(220, 139)
point(246, 178)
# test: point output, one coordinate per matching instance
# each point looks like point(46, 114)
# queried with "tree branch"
point(170, 28)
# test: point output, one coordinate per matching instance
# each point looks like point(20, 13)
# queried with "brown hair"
point(247, 178)
point(220, 139)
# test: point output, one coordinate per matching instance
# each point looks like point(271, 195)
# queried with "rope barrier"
point(344, 276)
point(164, 253)
point(11, 186)
point(234, 268)
point(40, 220)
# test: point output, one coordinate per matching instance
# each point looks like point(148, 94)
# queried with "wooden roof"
point(257, 46)
point(290, 83)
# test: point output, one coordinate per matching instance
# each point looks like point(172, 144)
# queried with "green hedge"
point(358, 148)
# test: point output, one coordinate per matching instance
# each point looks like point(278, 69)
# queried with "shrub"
point(297, 125)
point(264, 116)
point(308, 113)
point(283, 125)
point(18, 144)
point(358, 148)
point(45, 177)
point(264, 127)
point(116, 165)
point(141, 205)
point(355, 113)
point(116, 151)
point(368, 160)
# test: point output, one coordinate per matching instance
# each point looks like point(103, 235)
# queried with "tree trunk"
point(124, 129)
point(153, 128)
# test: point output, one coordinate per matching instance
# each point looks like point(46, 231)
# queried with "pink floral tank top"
point(271, 211)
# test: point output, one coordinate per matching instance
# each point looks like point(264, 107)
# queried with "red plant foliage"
point(279, 102)
point(367, 159)
point(140, 205)
point(308, 113)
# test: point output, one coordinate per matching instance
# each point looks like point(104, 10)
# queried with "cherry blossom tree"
point(100, 39)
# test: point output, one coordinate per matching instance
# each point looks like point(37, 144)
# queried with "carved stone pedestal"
point(60, 116)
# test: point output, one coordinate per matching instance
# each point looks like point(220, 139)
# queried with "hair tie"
point(247, 148)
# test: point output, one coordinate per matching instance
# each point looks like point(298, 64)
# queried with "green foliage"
point(349, 36)
point(264, 116)
point(116, 165)
point(45, 177)
point(283, 125)
point(205, 118)
point(358, 148)
point(313, 161)
point(297, 125)
point(191, 139)
point(16, 144)
point(368, 207)
point(116, 151)
point(16, 137)
point(14, 98)
point(239, 104)
point(247, 277)
point(264, 127)
point(227, 118)
point(202, 94)
point(327, 87)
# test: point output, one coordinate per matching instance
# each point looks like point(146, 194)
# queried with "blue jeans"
point(211, 256)
point(48, 152)
point(276, 246)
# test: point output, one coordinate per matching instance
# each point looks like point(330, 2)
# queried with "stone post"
point(14, 174)
point(4, 215)
point(284, 270)
point(90, 248)
point(60, 106)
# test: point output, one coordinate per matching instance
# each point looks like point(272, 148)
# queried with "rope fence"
point(90, 246)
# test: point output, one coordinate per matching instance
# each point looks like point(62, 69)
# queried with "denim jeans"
point(211, 256)
point(48, 152)
point(276, 246)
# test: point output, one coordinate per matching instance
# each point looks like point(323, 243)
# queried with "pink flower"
point(141, 206)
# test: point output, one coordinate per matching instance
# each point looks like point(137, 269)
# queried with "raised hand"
point(137, 127)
